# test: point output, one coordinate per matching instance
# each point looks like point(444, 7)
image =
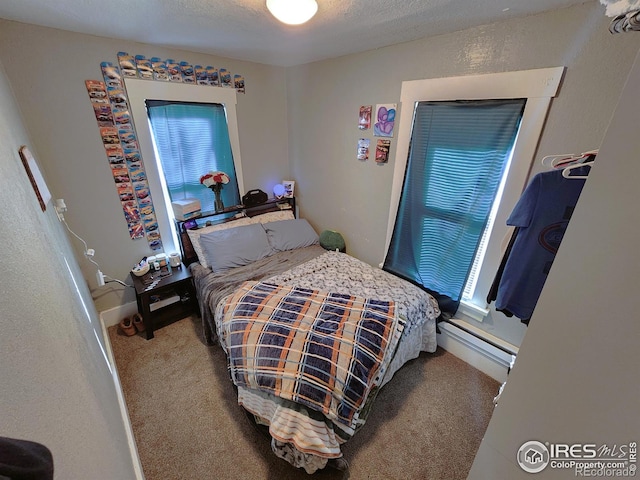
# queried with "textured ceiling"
point(244, 29)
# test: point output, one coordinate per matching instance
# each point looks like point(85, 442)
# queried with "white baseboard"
point(109, 318)
point(113, 316)
point(487, 358)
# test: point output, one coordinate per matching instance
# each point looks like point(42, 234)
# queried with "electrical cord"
point(88, 253)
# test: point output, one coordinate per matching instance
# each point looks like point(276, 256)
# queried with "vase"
point(219, 205)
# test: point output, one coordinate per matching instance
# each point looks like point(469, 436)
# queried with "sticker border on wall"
point(117, 132)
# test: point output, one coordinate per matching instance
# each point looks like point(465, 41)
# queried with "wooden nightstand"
point(164, 298)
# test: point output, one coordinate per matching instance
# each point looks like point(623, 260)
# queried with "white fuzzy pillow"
point(272, 217)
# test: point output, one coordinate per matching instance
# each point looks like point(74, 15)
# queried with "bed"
point(310, 335)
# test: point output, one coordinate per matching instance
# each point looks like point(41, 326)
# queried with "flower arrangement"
point(215, 181)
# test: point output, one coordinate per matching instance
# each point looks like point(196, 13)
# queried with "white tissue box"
point(186, 209)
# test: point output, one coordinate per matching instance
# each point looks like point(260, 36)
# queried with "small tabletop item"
point(332, 240)
point(141, 268)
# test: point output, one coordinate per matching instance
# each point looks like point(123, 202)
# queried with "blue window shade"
point(457, 157)
point(192, 139)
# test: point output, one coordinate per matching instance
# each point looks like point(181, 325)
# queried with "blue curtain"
point(457, 157)
point(192, 139)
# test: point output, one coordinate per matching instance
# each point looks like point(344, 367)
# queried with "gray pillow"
point(235, 247)
point(290, 234)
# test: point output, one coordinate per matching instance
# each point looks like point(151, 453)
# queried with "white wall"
point(47, 69)
point(337, 191)
point(575, 379)
point(301, 122)
point(56, 386)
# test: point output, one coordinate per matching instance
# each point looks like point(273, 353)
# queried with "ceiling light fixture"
point(293, 12)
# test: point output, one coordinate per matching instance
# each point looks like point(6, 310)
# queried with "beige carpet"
point(427, 423)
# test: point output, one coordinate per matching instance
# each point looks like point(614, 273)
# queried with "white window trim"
point(140, 90)
point(538, 87)
point(472, 310)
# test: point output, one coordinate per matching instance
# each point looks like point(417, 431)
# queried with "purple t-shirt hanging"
point(542, 215)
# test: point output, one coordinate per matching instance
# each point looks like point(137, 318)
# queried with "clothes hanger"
point(554, 157)
point(558, 161)
point(582, 158)
point(566, 172)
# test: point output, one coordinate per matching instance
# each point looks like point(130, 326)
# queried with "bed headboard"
point(228, 215)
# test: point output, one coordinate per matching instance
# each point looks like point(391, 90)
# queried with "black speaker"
point(254, 197)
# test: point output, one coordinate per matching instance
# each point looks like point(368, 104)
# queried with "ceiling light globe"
point(293, 12)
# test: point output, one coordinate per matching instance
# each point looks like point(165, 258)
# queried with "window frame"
point(538, 86)
point(140, 90)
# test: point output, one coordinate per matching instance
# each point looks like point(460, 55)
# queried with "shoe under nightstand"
point(165, 296)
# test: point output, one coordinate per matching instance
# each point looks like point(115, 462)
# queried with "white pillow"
point(272, 217)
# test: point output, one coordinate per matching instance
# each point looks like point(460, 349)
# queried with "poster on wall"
point(225, 77)
point(145, 69)
point(188, 74)
point(159, 69)
point(127, 137)
point(238, 83)
point(127, 65)
point(384, 120)
point(118, 99)
point(103, 114)
point(364, 117)
point(382, 151)
point(109, 136)
point(201, 75)
point(173, 69)
point(363, 149)
point(214, 79)
point(97, 91)
point(111, 75)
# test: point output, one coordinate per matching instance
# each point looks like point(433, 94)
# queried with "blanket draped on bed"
point(322, 350)
point(301, 435)
point(212, 287)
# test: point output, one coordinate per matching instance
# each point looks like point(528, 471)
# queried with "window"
point(458, 155)
point(192, 139)
point(138, 92)
point(536, 87)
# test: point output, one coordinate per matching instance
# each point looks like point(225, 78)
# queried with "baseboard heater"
point(485, 337)
point(480, 349)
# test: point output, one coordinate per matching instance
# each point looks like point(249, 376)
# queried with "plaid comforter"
point(322, 350)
